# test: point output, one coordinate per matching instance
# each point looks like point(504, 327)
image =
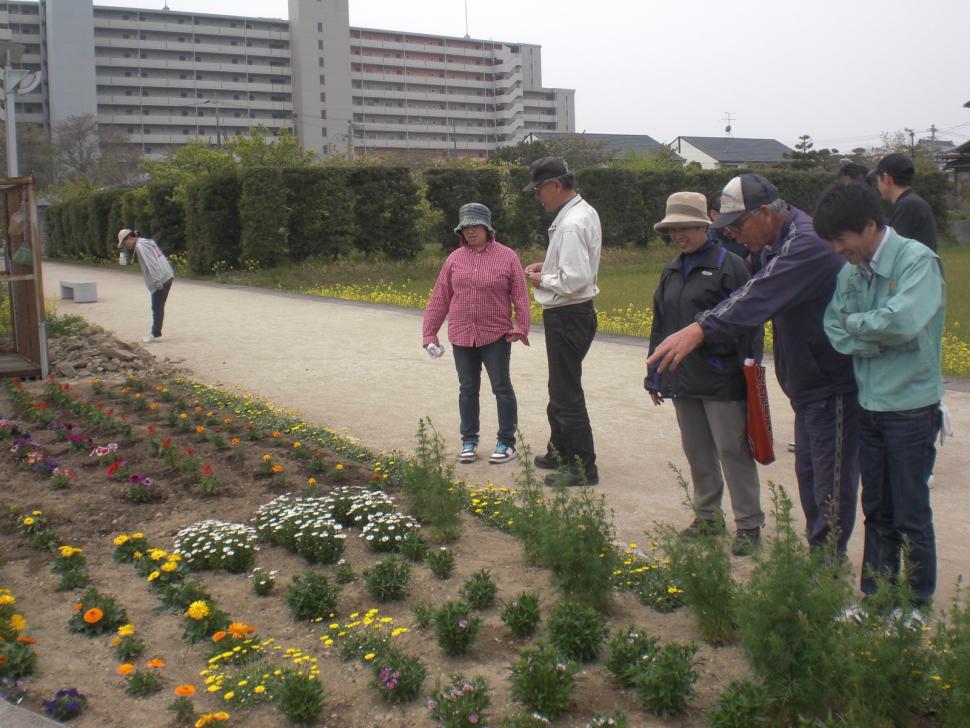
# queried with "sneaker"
point(746, 541)
point(150, 338)
point(546, 462)
point(469, 452)
point(854, 613)
point(703, 527)
point(503, 453)
point(572, 479)
point(791, 447)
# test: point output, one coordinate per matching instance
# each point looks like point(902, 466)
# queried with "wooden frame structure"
point(21, 282)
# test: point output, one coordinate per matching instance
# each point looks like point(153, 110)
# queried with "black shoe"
point(703, 527)
point(746, 541)
point(546, 462)
point(572, 479)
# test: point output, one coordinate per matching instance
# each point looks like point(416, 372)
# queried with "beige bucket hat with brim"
point(684, 209)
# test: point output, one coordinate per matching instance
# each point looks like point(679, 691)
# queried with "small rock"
point(65, 370)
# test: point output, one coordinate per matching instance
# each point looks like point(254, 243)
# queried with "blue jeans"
point(897, 451)
point(468, 362)
point(159, 298)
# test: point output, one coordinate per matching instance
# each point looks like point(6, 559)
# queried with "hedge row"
point(268, 216)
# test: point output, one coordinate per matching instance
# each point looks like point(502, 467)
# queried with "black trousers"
point(159, 298)
point(569, 334)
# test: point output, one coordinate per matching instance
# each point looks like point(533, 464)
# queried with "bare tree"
point(102, 154)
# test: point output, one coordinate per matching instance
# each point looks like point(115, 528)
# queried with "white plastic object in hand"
point(435, 351)
point(946, 425)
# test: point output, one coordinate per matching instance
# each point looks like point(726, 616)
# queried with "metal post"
point(10, 105)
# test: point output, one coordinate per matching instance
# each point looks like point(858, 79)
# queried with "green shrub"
point(299, 696)
point(167, 216)
point(423, 614)
point(460, 704)
point(388, 580)
point(430, 487)
point(616, 196)
point(786, 615)
point(479, 590)
point(950, 680)
point(312, 596)
point(448, 188)
point(413, 548)
point(385, 211)
point(455, 628)
point(521, 615)
point(321, 202)
point(96, 613)
point(441, 562)
point(543, 680)
point(263, 216)
point(627, 650)
point(398, 677)
point(212, 222)
point(741, 704)
point(577, 631)
point(665, 681)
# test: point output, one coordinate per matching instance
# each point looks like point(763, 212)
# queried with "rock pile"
point(95, 351)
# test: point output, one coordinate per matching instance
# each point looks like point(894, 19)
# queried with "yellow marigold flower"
point(267, 457)
point(339, 466)
point(138, 534)
point(222, 715)
point(28, 521)
point(277, 468)
point(126, 630)
point(68, 551)
point(398, 631)
point(169, 566)
point(369, 656)
point(311, 481)
point(17, 622)
point(259, 689)
point(229, 695)
point(197, 610)
point(7, 599)
point(297, 444)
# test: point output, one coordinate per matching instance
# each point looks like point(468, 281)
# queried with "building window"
point(323, 80)
point(184, 112)
point(324, 130)
point(320, 45)
point(320, 60)
point(323, 98)
point(323, 113)
point(319, 27)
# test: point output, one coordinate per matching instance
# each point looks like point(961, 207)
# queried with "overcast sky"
point(842, 71)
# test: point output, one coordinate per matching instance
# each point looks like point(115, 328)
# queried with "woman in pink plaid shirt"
point(477, 288)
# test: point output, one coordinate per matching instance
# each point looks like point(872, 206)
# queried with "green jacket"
point(892, 325)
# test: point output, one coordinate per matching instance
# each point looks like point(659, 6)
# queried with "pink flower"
point(473, 718)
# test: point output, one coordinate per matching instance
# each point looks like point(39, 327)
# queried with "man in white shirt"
point(565, 284)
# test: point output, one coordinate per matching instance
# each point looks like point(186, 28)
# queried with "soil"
point(93, 510)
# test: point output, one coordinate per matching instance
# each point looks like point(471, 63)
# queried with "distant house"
point(714, 152)
point(936, 149)
point(616, 146)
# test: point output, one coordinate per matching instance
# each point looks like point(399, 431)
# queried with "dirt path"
point(361, 367)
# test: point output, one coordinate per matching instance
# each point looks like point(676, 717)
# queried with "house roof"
point(736, 149)
point(613, 143)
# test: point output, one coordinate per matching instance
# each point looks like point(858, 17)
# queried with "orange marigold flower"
point(219, 636)
point(277, 468)
point(126, 668)
point(207, 470)
point(27, 640)
point(152, 430)
point(3, 660)
point(185, 690)
point(93, 615)
point(77, 607)
point(239, 630)
point(157, 662)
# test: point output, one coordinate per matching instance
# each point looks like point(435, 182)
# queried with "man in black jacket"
point(911, 215)
point(708, 388)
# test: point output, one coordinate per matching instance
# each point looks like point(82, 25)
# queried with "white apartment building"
point(164, 77)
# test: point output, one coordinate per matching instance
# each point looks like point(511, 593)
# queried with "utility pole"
point(350, 139)
point(912, 142)
point(466, 20)
point(454, 138)
point(933, 131)
point(728, 118)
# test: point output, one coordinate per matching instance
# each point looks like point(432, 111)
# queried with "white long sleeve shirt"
point(573, 257)
point(154, 265)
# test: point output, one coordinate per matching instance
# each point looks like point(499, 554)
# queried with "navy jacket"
point(714, 371)
point(912, 217)
point(792, 291)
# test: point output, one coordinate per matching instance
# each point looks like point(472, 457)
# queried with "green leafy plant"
point(96, 613)
point(461, 703)
point(67, 704)
point(423, 614)
point(627, 651)
point(665, 680)
point(521, 615)
point(741, 704)
point(544, 681)
point(343, 573)
point(388, 580)
point(455, 628)
point(398, 677)
point(142, 683)
point(441, 562)
point(202, 620)
point(577, 631)
point(428, 481)
point(299, 696)
point(413, 548)
point(950, 680)
point(263, 581)
point(312, 596)
point(71, 566)
point(479, 590)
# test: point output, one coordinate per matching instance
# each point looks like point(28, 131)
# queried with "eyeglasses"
point(540, 185)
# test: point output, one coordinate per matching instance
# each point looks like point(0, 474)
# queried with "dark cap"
point(743, 194)
point(545, 170)
point(898, 165)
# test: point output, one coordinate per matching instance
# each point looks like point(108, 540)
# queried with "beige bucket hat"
point(684, 209)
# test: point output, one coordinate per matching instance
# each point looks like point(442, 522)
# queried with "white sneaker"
point(503, 453)
point(149, 339)
point(469, 452)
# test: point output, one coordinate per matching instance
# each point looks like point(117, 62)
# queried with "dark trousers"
point(569, 334)
point(159, 298)
point(897, 451)
point(468, 362)
point(827, 466)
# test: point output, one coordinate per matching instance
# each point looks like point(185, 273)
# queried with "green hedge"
point(167, 217)
point(386, 211)
point(321, 203)
point(448, 188)
point(212, 222)
point(527, 224)
point(263, 216)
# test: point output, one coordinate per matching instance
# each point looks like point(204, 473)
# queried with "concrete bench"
point(80, 291)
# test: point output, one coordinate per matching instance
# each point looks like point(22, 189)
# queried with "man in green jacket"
point(887, 313)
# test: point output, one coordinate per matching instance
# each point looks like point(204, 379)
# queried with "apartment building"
point(164, 77)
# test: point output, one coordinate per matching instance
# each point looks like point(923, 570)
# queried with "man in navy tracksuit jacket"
point(792, 291)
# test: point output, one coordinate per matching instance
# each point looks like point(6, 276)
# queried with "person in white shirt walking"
point(565, 284)
point(157, 271)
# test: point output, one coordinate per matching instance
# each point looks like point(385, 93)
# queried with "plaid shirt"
point(476, 291)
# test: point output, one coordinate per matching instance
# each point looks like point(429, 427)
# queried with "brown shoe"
point(746, 541)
